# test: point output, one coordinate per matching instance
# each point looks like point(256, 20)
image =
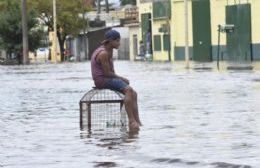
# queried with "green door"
point(239, 42)
point(201, 30)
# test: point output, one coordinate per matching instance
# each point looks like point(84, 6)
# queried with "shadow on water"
point(109, 138)
point(228, 165)
point(105, 164)
point(174, 161)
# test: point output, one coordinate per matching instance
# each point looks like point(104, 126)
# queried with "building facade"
point(164, 22)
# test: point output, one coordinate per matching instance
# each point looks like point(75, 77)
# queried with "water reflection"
point(110, 137)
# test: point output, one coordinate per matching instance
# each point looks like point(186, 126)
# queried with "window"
point(161, 9)
point(135, 41)
point(157, 42)
point(166, 42)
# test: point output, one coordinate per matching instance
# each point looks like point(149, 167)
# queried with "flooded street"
point(192, 118)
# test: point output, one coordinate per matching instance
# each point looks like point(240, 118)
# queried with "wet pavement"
point(196, 118)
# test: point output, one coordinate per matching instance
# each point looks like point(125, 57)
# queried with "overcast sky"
point(115, 2)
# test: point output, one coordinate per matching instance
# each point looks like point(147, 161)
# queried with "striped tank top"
point(97, 70)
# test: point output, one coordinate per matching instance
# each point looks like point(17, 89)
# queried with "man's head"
point(112, 37)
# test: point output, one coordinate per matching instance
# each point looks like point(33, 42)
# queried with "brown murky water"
point(192, 118)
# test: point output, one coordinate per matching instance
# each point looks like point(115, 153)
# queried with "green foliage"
point(11, 27)
point(68, 20)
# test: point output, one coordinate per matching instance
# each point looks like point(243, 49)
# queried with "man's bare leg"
point(128, 101)
point(136, 113)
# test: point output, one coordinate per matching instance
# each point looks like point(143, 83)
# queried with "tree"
point(11, 28)
point(68, 20)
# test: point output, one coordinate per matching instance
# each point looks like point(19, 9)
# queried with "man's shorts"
point(115, 84)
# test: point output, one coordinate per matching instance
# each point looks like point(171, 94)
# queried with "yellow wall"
point(144, 8)
point(156, 24)
point(178, 22)
point(133, 30)
point(217, 9)
point(159, 55)
point(117, 14)
point(255, 13)
point(218, 16)
point(176, 25)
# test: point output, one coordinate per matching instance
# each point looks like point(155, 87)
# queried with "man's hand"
point(125, 80)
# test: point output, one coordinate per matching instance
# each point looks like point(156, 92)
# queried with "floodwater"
point(192, 118)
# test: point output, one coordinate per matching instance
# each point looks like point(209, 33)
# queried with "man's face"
point(116, 43)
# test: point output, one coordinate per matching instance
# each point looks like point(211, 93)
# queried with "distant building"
point(133, 29)
point(3, 54)
point(99, 23)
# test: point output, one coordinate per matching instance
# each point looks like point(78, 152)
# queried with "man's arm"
point(103, 58)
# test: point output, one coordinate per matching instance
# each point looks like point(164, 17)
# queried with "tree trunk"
point(61, 39)
point(25, 32)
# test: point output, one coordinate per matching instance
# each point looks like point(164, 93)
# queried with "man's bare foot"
point(133, 126)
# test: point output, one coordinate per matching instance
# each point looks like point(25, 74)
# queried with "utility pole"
point(168, 26)
point(186, 34)
point(98, 6)
point(84, 30)
point(54, 32)
point(107, 6)
point(25, 32)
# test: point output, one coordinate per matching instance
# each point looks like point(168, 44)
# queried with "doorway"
point(239, 42)
point(201, 31)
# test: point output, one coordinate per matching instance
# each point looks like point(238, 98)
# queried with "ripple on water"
point(192, 118)
point(172, 161)
point(228, 165)
point(105, 164)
